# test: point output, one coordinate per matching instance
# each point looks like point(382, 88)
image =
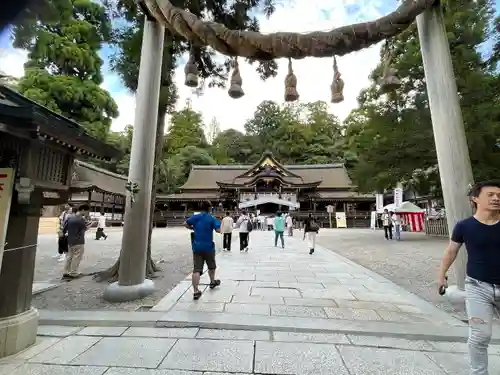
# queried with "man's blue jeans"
point(397, 231)
point(280, 235)
point(482, 301)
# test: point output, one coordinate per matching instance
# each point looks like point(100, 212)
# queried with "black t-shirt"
point(483, 248)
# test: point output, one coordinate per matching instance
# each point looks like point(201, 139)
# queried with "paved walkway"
point(278, 311)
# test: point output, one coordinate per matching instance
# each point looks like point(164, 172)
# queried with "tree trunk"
point(167, 99)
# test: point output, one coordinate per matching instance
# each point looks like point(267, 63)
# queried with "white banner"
point(379, 202)
point(6, 183)
point(398, 197)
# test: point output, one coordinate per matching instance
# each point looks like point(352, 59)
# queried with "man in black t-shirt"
point(481, 236)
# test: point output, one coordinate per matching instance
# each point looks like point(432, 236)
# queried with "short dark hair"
point(476, 189)
point(84, 207)
point(74, 210)
point(228, 213)
point(206, 206)
point(278, 213)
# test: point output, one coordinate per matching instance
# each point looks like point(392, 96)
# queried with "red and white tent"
point(410, 214)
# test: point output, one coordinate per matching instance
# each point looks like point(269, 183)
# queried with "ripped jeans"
point(482, 301)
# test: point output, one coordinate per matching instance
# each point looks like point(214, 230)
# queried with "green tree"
point(233, 147)
point(187, 157)
point(185, 129)
point(391, 134)
point(213, 130)
point(297, 134)
point(63, 71)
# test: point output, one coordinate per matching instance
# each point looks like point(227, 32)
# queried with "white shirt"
point(227, 224)
point(242, 223)
point(396, 220)
point(289, 221)
point(102, 222)
point(385, 219)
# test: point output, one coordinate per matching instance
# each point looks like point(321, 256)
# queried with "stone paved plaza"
point(278, 311)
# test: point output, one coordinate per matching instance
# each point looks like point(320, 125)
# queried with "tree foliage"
point(63, 71)
point(391, 135)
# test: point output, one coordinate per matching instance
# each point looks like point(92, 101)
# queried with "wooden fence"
point(436, 226)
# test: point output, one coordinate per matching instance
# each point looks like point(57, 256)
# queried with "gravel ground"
point(412, 263)
point(170, 247)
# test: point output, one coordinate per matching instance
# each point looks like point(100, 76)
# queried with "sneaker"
point(62, 258)
point(246, 250)
point(58, 256)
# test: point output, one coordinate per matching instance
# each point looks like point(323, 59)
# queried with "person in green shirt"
point(279, 229)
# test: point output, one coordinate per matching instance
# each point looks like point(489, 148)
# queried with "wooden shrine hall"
point(269, 186)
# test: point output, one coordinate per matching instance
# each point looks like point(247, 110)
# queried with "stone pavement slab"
point(224, 352)
point(270, 287)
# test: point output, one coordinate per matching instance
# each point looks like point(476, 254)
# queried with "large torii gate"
point(451, 146)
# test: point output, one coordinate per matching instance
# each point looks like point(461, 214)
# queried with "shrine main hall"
point(267, 187)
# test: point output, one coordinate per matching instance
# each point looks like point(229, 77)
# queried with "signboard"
point(341, 220)
point(398, 197)
point(329, 209)
point(6, 184)
point(379, 202)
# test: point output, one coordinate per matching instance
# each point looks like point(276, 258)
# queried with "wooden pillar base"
point(18, 332)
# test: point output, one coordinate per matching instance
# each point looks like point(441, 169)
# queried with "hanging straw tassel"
point(390, 80)
point(337, 87)
point(235, 90)
point(191, 71)
point(291, 93)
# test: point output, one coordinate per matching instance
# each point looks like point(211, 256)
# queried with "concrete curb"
point(179, 319)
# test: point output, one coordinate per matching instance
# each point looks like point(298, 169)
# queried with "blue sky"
point(296, 15)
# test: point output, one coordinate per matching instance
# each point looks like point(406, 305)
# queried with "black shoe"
point(311, 251)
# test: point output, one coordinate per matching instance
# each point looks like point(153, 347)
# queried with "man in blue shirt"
point(481, 236)
point(203, 226)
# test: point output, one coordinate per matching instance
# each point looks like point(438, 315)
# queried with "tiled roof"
point(332, 176)
point(89, 177)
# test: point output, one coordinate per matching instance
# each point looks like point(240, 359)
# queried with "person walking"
point(396, 223)
point(100, 228)
point(289, 224)
point(279, 229)
point(203, 225)
point(480, 234)
point(387, 223)
point(75, 227)
point(311, 229)
point(62, 239)
point(226, 229)
point(245, 225)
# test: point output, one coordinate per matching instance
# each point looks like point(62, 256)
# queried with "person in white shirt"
point(387, 223)
point(289, 224)
point(245, 224)
point(269, 223)
point(396, 222)
point(226, 228)
point(100, 228)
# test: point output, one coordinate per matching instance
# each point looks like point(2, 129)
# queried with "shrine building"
point(267, 187)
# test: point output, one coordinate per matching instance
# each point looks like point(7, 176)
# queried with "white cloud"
point(314, 75)
point(12, 61)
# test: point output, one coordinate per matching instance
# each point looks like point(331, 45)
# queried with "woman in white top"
point(245, 224)
point(289, 225)
point(226, 228)
point(396, 222)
